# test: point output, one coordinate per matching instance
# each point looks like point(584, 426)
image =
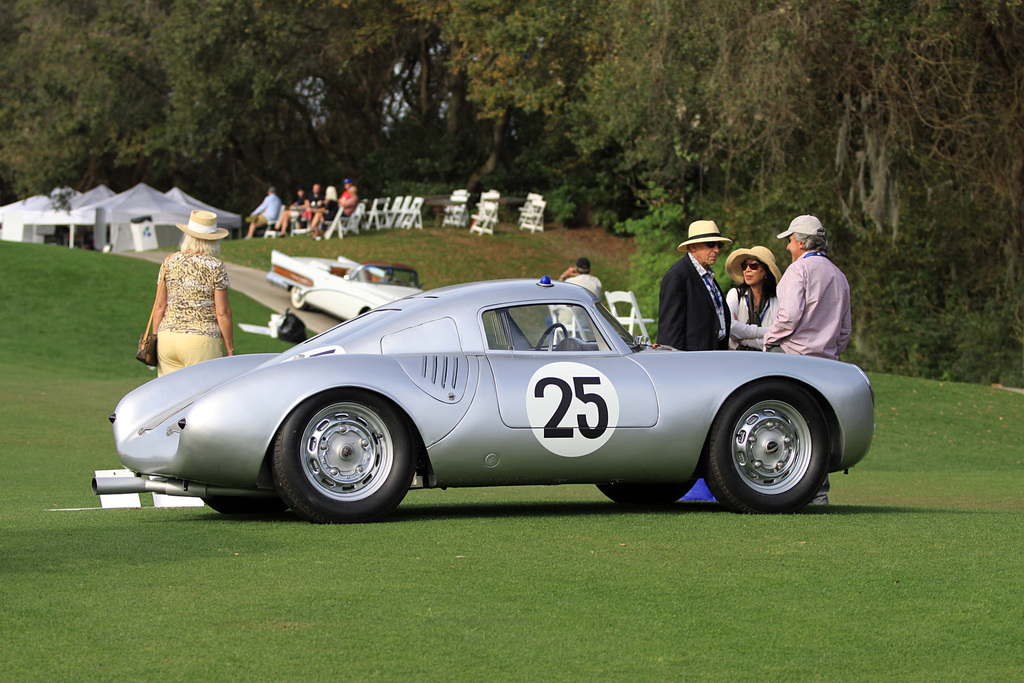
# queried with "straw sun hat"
point(734, 264)
point(203, 225)
point(703, 231)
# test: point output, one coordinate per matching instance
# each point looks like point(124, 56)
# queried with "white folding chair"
point(396, 211)
point(455, 213)
point(531, 214)
point(378, 216)
point(486, 216)
point(412, 217)
point(633, 316)
point(344, 224)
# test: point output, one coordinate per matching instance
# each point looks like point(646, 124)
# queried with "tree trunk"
point(497, 141)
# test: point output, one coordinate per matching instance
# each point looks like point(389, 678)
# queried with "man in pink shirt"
point(814, 297)
point(814, 303)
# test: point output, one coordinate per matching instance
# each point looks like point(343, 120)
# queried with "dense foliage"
point(899, 123)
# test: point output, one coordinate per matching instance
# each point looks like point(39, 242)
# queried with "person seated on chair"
point(316, 201)
point(297, 208)
point(326, 213)
point(580, 275)
point(266, 214)
point(349, 198)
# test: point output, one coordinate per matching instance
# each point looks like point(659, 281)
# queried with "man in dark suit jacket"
point(692, 313)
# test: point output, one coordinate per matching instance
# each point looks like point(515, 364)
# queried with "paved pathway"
point(253, 283)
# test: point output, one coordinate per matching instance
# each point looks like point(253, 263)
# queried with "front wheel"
point(344, 456)
point(769, 449)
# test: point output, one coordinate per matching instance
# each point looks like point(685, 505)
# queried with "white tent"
point(225, 219)
point(72, 213)
point(140, 218)
point(35, 218)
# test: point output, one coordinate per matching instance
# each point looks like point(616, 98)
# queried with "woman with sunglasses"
point(752, 301)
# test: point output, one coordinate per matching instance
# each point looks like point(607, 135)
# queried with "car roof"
point(499, 292)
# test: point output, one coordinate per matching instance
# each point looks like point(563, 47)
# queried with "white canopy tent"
point(144, 218)
point(225, 219)
point(35, 218)
point(140, 218)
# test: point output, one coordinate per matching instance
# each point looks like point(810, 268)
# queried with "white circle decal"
point(573, 409)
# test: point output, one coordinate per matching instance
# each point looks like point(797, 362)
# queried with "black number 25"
point(551, 429)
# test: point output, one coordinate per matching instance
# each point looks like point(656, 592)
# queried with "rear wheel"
point(645, 494)
point(768, 450)
point(344, 456)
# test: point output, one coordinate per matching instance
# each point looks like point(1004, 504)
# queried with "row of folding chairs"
point(400, 212)
point(382, 213)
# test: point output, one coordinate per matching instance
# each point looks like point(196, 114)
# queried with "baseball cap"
point(804, 225)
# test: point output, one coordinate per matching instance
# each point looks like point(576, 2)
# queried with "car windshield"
point(542, 327)
point(387, 275)
point(623, 333)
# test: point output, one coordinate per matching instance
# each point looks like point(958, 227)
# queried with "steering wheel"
point(550, 330)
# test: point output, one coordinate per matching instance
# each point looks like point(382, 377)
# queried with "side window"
point(542, 327)
point(497, 340)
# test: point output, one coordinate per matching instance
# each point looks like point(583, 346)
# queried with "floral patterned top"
point(190, 280)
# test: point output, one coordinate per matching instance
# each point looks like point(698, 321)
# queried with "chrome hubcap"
point(772, 447)
point(347, 451)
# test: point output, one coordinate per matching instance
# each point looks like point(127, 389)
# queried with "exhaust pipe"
point(102, 486)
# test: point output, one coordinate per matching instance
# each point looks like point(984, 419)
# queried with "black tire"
point(239, 505)
point(645, 494)
point(344, 456)
point(769, 449)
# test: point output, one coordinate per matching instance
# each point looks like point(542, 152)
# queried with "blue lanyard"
point(813, 253)
point(714, 290)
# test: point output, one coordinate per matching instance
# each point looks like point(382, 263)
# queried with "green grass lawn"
point(912, 574)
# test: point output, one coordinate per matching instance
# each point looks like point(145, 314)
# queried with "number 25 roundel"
point(573, 408)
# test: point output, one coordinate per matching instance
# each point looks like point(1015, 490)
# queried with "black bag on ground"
point(292, 329)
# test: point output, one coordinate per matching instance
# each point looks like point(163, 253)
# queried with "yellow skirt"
point(176, 350)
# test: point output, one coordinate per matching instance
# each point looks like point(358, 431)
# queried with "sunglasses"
point(713, 245)
point(752, 265)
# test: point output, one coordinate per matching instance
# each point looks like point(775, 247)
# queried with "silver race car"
point(495, 383)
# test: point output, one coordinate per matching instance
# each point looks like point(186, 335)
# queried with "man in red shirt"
point(349, 198)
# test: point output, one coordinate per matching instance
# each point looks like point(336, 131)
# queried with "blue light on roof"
point(545, 281)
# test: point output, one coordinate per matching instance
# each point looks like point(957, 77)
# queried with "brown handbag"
point(147, 342)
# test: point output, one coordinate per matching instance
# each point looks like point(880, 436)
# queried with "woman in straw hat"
point(752, 301)
point(192, 315)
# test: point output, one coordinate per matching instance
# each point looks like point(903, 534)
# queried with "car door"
point(560, 382)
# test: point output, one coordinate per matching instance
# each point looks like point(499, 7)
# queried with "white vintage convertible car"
point(341, 287)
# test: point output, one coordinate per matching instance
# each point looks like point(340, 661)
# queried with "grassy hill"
point(912, 574)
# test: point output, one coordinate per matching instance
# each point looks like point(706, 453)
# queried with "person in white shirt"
point(752, 301)
point(580, 275)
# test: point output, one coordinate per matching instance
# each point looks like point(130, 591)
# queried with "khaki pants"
point(176, 350)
